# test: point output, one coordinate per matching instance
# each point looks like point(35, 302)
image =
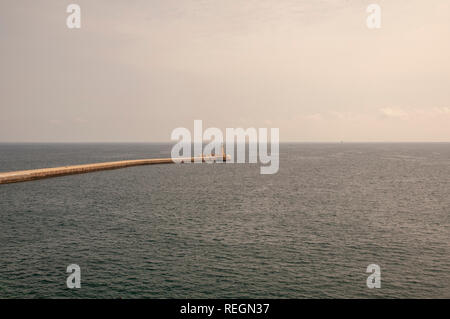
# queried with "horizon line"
point(205, 142)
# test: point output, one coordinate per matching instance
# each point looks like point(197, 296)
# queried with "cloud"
point(442, 110)
point(414, 113)
point(389, 112)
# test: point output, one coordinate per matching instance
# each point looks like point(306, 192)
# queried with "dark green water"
point(224, 230)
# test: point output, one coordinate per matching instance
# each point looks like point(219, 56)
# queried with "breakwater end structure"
point(33, 174)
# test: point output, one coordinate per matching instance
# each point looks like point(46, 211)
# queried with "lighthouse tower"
point(224, 156)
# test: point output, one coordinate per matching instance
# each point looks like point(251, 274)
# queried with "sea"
point(226, 231)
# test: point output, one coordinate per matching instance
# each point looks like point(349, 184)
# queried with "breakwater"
point(34, 174)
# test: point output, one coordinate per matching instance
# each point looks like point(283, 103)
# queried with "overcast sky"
point(138, 69)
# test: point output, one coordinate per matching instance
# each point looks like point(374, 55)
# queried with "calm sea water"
point(224, 230)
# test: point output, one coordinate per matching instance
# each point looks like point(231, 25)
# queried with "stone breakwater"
point(33, 174)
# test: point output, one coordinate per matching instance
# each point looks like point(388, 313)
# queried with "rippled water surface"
point(224, 230)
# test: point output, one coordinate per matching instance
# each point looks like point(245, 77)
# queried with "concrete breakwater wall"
point(33, 174)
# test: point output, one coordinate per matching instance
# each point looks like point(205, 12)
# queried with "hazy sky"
point(138, 69)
